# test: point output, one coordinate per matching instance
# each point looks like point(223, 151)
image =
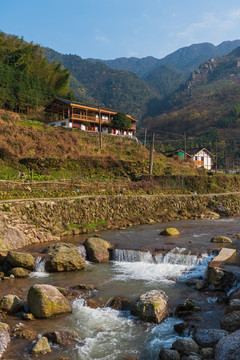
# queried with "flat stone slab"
point(223, 256)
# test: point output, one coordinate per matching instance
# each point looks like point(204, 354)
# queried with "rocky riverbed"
point(129, 298)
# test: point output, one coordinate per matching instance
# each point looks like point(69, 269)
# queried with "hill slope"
point(207, 107)
point(115, 89)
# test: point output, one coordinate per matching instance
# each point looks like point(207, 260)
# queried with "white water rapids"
point(111, 334)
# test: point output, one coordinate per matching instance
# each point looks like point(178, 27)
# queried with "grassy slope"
point(57, 153)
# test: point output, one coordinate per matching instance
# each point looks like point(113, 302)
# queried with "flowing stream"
point(105, 333)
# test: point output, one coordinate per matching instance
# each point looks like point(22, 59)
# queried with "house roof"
point(52, 107)
point(194, 151)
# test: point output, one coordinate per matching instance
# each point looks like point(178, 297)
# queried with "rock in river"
point(221, 239)
point(4, 338)
point(19, 272)
point(151, 306)
point(63, 257)
point(228, 348)
point(170, 232)
point(97, 249)
point(24, 260)
point(11, 304)
point(41, 347)
point(207, 338)
point(231, 322)
point(45, 301)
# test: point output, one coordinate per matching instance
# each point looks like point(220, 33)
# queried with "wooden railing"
point(88, 118)
point(92, 119)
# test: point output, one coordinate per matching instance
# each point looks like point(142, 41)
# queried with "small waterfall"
point(177, 256)
point(125, 255)
point(180, 256)
point(82, 251)
point(177, 264)
point(39, 270)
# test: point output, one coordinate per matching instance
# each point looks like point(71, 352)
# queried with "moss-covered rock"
point(11, 304)
point(97, 249)
point(18, 259)
point(45, 301)
point(19, 272)
point(221, 239)
point(63, 257)
point(151, 306)
point(42, 347)
point(170, 232)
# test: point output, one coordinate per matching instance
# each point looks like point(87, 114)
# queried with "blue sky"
point(108, 29)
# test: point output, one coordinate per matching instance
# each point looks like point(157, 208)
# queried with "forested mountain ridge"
point(207, 107)
point(185, 59)
point(121, 90)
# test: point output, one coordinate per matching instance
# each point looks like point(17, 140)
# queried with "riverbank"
point(25, 222)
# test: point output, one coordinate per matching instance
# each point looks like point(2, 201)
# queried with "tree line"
point(27, 80)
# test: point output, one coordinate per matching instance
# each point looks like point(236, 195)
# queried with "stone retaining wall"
point(33, 221)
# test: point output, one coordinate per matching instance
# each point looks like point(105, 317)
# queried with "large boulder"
point(170, 232)
point(233, 305)
point(169, 354)
point(4, 338)
point(207, 338)
point(151, 306)
point(234, 294)
point(63, 257)
point(42, 347)
point(220, 239)
point(228, 348)
point(24, 260)
point(231, 322)
point(185, 346)
point(219, 279)
point(19, 272)
point(97, 249)
point(11, 304)
point(45, 301)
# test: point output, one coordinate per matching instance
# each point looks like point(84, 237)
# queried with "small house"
point(200, 157)
point(82, 116)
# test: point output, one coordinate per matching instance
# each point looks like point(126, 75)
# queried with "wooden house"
point(87, 117)
point(200, 157)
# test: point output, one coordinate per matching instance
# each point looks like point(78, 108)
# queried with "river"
point(110, 334)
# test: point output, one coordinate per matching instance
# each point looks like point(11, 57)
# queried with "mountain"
point(189, 58)
point(166, 79)
point(141, 67)
point(121, 90)
point(207, 107)
point(185, 59)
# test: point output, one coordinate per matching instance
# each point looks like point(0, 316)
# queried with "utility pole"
point(151, 155)
point(216, 153)
point(185, 144)
point(100, 128)
point(145, 138)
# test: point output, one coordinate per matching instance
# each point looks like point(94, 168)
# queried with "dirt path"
point(106, 196)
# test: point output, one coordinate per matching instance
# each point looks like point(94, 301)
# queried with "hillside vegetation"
point(207, 107)
point(45, 152)
point(27, 80)
point(121, 90)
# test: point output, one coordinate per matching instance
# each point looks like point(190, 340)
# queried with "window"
point(202, 158)
point(63, 123)
point(195, 158)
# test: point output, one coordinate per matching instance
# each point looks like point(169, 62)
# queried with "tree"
point(121, 121)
